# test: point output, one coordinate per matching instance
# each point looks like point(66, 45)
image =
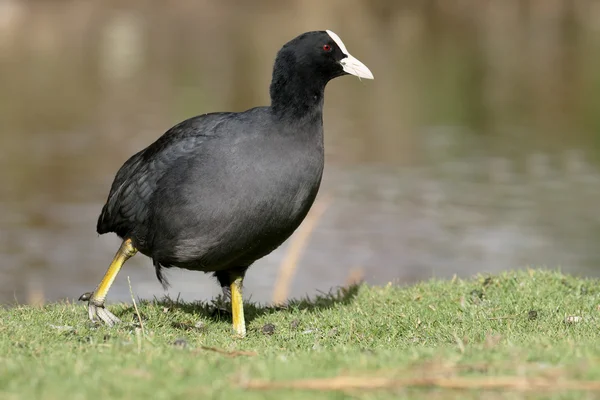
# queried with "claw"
point(102, 313)
point(96, 310)
point(86, 296)
point(109, 318)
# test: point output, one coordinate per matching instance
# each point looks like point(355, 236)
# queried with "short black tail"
point(163, 281)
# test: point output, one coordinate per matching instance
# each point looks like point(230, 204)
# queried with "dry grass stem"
point(297, 244)
point(355, 276)
point(345, 383)
point(233, 353)
point(504, 317)
point(137, 311)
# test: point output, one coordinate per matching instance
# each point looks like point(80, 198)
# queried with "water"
point(474, 149)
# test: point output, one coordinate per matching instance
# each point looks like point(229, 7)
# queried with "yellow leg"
point(237, 307)
point(96, 299)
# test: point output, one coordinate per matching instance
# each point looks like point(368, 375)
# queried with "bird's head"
point(322, 54)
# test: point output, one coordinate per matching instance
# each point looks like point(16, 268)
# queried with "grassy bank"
point(438, 339)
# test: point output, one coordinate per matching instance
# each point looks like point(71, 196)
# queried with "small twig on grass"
point(504, 317)
point(297, 245)
point(234, 353)
point(137, 312)
point(345, 383)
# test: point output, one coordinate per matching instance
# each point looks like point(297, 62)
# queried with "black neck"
point(295, 93)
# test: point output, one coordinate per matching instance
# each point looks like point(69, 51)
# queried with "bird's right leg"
point(96, 299)
point(237, 304)
point(231, 284)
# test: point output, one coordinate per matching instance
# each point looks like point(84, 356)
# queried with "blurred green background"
point(474, 149)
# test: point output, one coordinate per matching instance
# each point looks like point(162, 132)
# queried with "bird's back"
point(126, 209)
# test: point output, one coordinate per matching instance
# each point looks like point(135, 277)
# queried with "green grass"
point(510, 325)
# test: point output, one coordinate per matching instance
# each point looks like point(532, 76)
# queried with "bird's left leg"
point(96, 299)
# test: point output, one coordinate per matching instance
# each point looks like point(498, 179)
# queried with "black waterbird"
point(219, 191)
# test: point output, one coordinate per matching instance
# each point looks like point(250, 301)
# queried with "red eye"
point(326, 47)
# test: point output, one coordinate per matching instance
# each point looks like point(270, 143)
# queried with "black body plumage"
point(219, 191)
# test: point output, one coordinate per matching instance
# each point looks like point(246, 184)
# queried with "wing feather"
point(126, 209)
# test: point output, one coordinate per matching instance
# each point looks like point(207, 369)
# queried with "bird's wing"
point(126, 206)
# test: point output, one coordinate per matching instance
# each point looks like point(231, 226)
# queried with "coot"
point(219, 191)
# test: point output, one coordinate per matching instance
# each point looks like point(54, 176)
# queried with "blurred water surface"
point(475, 149)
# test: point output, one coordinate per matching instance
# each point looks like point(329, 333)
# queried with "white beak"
point(350, 64)
point(354, 67)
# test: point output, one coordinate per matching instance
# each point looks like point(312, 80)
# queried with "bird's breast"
point(283, 184)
